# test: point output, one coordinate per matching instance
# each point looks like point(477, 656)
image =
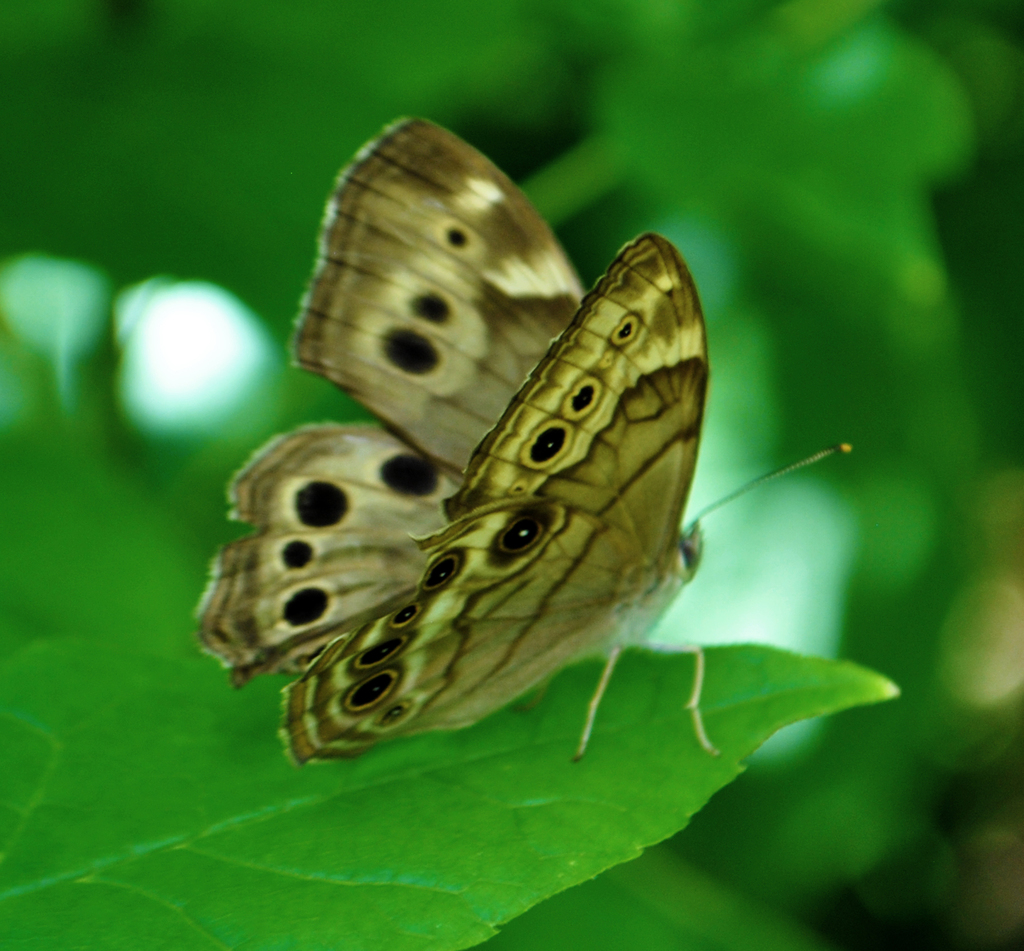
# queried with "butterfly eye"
point(431, 307)
point(374, 655)
point(319, 504)
point(410, 475)
point(404, 616)
point(690, 548)
point(305, 606)
point(296, 554)
point(411, 352)
point(443, 570)
point(548, 444)
point(369, 692)
point(520, 535)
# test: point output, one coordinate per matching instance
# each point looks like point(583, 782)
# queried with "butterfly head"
point(691, 544)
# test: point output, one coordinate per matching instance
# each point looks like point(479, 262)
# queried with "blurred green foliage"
point(846, 178)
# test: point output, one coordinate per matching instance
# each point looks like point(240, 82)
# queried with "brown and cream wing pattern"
point(566, 526)
point(334, 507)
point(437, 289)
point(609, 422)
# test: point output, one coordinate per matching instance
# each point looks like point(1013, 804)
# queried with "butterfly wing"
point(564, 535)
point(437, 289)
point(609, 423)
point(333, 507)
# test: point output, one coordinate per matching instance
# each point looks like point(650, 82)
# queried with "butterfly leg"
point(595, 701)
point(693, 704)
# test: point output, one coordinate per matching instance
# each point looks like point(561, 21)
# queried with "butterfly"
point(521, 508)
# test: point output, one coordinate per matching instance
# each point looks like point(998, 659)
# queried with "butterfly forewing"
point(564, 535)
point(437, 290)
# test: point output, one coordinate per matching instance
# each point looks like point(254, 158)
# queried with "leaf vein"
point(166, 903)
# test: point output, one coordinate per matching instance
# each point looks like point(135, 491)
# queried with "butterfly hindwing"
point(438, 288)
point(486, 623)
point(559, 545)
point(334, 507)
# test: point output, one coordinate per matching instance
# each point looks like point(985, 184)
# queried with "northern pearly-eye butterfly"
point(522, 508)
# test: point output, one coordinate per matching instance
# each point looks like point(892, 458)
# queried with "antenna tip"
point(845, 447)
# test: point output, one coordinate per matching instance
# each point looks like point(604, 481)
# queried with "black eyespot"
point(547, 444)
point(410, 475)
point(320, 504)
point(296, 554)
point(404, 616)
point(305, 606)
point(370, 691)
point(394, 714)
point(582, 399)
point(521, 534)
point(410, 352)
point(456, 237)
point(441, 572)
point(377, 653)
point(431, 307)
point(625, 330)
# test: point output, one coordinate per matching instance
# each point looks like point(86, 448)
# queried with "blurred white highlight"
point(56, 308)
point(193, 356)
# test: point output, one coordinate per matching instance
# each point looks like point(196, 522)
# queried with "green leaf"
point(144, 803)
point(87, 553)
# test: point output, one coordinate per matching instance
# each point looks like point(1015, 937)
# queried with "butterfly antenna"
point(761, 480)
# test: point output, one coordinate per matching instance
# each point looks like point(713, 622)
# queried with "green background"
point(847, 181)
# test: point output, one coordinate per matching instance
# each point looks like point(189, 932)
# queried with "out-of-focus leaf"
point(656, 902)
point(207, 137)
point(86, 554)
point(831, 147)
